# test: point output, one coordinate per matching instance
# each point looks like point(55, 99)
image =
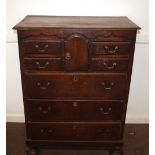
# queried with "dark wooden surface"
point(136, 142)
point(75, 22)
point(56, 55)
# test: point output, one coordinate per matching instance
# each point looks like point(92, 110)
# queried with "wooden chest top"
point(41, 22)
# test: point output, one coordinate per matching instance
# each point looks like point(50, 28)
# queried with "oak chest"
point(76, 75)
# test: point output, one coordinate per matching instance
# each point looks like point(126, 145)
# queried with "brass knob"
point(67, 56)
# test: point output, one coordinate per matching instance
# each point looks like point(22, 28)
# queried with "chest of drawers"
point(76, 75)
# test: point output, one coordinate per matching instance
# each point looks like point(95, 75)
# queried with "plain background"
point(136, 10)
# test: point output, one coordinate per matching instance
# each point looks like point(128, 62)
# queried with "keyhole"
point(75, 78)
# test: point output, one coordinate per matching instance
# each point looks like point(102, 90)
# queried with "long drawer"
point(74, 110)
point(47, 85)
point(74, 131)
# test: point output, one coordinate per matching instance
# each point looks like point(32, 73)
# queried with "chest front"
point(75, 84)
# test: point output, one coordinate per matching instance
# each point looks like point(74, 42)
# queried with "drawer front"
point(42, 64)
point(75, 85)
point(110, 48)
point(109, 64)
point(74, 131)
point(71, 110)
point(42, 47)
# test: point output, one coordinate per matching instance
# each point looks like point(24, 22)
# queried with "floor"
point(136, 142)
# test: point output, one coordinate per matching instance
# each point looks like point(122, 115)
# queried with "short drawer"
point(109, 64)
point(42, 47)
point(42, 64)
point(74, 110)
point(110, 48)
point(75, 85)
point(74, 131)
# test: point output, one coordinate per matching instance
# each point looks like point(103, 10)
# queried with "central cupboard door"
point(76, 53)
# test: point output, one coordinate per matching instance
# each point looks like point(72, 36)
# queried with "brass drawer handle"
point(43, 110)
point(44, 66)
point(46, 131)
point(111, 51)
point(107, 87)
point(68, 56)
point(109, 67)
point(41, 49)
point(43, 87)
point(104, 111)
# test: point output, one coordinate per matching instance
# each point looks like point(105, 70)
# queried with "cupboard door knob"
point(109, 67)
point(67, 56)
point(42, 67)
point(106, 87)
